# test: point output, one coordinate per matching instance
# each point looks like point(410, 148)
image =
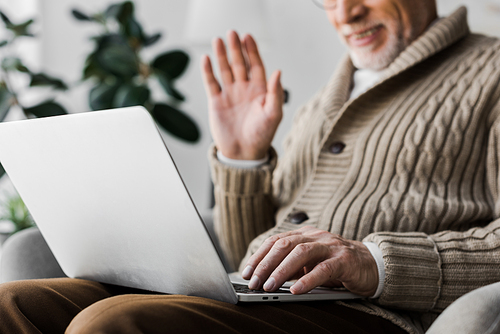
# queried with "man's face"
point(377, 31)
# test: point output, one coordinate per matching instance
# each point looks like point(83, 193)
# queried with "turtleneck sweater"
point(411, 164)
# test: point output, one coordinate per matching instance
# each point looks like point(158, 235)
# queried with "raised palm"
point(245, 110)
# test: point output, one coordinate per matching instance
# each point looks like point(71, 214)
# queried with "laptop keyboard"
point(241, 288)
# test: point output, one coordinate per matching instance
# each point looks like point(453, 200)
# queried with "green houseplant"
point(122, 78)
point(17, 213)
point(12, 67)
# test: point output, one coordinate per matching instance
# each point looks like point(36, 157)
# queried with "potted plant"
point(16, 217)
point(121, 76)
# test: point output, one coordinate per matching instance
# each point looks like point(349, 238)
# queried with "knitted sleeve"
point(244, 206)
point(428, 272)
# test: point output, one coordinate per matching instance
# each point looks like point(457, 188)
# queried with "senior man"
point(389, 186)
point(399, 150)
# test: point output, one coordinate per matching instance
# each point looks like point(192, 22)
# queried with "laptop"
point(108, 199)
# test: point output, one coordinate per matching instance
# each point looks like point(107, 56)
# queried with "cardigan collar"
point(439, 36)
point(442, 34)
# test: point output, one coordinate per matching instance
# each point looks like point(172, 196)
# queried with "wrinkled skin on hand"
point(314, 257)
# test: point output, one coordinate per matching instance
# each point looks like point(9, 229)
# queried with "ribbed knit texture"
point(419, 175)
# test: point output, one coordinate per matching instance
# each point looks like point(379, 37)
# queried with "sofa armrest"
point(25, 255)
point(477, 312)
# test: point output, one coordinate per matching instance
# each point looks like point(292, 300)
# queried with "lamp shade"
point(211, 18)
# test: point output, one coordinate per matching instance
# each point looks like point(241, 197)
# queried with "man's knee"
point(21, 308)
point(18, 294)
point(145, 314)
point(119, 314)
point(45, 305)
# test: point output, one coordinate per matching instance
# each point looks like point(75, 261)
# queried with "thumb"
point(275, 95)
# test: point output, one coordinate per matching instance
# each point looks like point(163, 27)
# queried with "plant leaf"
point(5, 19)
point(18, 213)
point(148, 41)
point(14, 64)
point(80, 16)
point(176, 122)
point(172, 63)
point(130, 95)
point(93, 68)
point(133, 29)
point(42, 79)
point(119, 59)
point(10, 63)
point(106, 40)
point(46, 109)
point(2, 171)
point(22, 29)
point(113, 10)
point(5, 102)
point(168, 85)
point(102, 96)
point(126, 12)
point(3, 43)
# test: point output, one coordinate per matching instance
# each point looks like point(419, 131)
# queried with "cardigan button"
point(336, 147)
point(298, 217)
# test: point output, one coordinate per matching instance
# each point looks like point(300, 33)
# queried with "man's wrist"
point(242, 163)
point(377, 255)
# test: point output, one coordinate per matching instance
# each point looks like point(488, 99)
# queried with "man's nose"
point(348, 11)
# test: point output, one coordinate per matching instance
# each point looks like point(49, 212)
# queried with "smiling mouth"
point(366, 33)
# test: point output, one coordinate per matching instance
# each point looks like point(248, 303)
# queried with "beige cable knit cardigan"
point(419, 174)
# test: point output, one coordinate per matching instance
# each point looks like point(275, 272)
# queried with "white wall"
point(305, 47)
point(483, 15)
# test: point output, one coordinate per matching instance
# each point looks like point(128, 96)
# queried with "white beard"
point(365, 58)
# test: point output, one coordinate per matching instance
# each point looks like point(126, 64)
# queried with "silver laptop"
point(110, 203)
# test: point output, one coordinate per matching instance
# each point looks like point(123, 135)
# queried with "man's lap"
point(93, 307)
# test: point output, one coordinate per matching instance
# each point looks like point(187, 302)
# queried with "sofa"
point(26, 255)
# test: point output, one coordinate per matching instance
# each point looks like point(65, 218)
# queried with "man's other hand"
point(314, 257)
point(244, 110)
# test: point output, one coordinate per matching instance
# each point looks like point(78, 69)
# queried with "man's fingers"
point(220, 53)
point(302, 255)
point(255, 259)
point(275, 95)
point(238, 64)
point(257, 70)
point(211, 84)
point(263, 250)
point(274, 259)
point(274, 84)
point(325, 271)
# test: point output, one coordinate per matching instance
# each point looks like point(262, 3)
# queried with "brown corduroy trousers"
point(80, 306)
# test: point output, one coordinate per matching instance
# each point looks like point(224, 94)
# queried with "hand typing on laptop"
point(314, 257)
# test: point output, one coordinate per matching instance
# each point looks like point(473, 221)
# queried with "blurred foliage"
point(12, 65)
point(121, 76)
point(17, 213)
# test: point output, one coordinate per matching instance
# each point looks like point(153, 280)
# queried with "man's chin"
point(371, 60)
